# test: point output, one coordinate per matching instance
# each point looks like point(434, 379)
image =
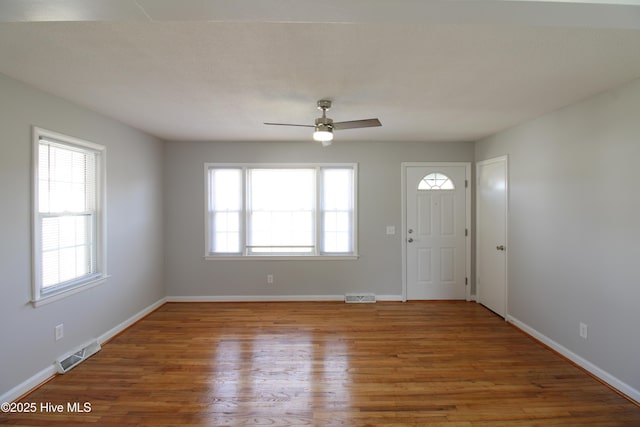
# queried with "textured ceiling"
point(203, 73)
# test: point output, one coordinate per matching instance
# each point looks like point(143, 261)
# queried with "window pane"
point(227, 221)
point(68, 249)
point(282, 189)
point(337, 221)
point(50, 268)
point(338, 242)
point(67, 264)
point(337, 205)
point(226, 187)
point(225, 209)
point(281, 210)
point(436, 181)
point(337, 231)
point(337, 189)
point(66, 179)
point(226, 242)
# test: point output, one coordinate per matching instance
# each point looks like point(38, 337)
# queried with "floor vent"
point(359, 298)
point(68, 362)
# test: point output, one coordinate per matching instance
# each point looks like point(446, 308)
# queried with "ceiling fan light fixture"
point(323, 133)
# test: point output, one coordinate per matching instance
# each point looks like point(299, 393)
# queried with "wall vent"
point(359, 298)
point(71, 360)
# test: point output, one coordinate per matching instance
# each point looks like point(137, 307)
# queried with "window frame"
point(40, 295)
point(318, 213)
point(436, 187)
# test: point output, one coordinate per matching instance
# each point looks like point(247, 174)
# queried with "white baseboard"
point(130, 321)
point(254, 298)
point(389, 297)
point(29, 384)
point(578, 360)
point(48, 372)
point(270, 298)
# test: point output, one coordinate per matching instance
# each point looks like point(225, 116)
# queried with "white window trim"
point(39, 297)
point(332, 257)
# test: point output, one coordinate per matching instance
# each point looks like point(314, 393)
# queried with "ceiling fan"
point(324, 127)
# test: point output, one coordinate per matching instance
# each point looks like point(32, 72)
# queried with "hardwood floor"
point(321, 364)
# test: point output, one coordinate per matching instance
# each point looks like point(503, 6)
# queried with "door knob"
point(500, 248)
point(410, 239)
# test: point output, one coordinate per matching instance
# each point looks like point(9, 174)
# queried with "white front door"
point(435, 231)
point(491, 231)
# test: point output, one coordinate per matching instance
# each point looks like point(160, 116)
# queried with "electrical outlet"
point(583, 330)
point(269, 278)
point(59, 331)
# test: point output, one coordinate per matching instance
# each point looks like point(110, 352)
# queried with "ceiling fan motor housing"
point(324, 122)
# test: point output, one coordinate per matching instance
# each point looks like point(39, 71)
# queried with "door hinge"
point(466, 232)
point(466, 281)
point(466, 183)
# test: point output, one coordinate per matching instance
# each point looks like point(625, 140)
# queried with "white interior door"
point(491, 232)
point(435, 232)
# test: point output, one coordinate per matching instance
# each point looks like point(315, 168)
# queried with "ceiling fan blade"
point(354, 124)
point(289, 124)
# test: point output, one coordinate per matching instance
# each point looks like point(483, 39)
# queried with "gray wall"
point(574, 233)
point(134, 232)
point(378, 269)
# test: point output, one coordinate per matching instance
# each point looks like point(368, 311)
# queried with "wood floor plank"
point(325, 363)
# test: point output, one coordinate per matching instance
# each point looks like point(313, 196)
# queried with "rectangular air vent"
point(359, 298)
point(69, 361)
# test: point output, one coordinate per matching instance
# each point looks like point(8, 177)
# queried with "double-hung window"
point(255, 210)
point(68, 215)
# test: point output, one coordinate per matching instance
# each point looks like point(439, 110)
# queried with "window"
point(436, 181)
point(68, 209)
point(275, 210)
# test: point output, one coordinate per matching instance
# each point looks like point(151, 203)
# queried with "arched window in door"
point(436, 181)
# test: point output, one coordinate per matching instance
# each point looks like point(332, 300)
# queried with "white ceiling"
point(216, 70)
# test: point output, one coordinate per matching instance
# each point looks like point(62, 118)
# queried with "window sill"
point(63, 293)
point(279, 258)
